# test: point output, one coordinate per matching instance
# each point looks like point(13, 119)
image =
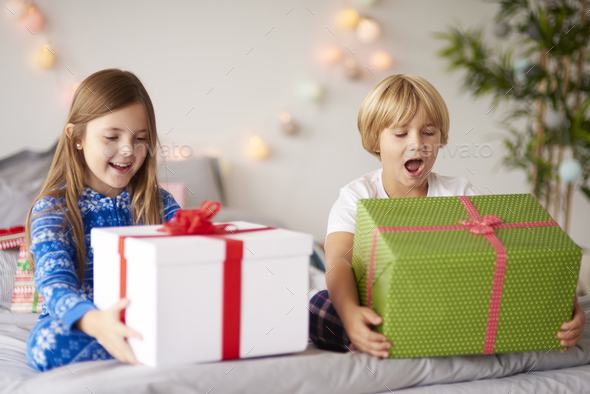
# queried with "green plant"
point(556, 83)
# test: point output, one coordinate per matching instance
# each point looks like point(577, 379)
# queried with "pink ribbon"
point(476, 225)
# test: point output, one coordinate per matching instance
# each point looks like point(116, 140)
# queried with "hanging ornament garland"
point(30, 19)
point(366, 31)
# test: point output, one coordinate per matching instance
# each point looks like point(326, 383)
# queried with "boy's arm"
point(343, 293)
point(573, 329)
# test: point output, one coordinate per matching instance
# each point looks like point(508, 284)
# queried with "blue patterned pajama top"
point(55, 341)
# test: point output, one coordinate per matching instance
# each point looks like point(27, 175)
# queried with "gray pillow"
point(21, 178)
point(201, 176)
point(8, 263)
point(23, 174)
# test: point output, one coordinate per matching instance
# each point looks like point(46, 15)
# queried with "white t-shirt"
point(343, 214)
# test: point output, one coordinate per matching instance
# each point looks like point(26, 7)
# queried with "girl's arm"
point(110, 332)
point(343, 292)
point(57, 281)
point(170, 205)
point(55, 273)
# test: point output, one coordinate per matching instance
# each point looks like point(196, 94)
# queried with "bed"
point(310, 371)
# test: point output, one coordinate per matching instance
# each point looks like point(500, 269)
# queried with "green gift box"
point(465, 275)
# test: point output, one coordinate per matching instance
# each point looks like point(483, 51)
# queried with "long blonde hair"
point(100, 93)
point(393, 102)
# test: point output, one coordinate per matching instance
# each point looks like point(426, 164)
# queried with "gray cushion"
point(8, 263)
point(21, 178)
point(201, 176)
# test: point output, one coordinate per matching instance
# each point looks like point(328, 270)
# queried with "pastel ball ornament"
point(288, 127)
point(347, 18)
point(43, 58)
point(351, 71)
point(553, 119)
point(501, 29)
point(68, 94)
point(33, 20)
point(311, 92)
point(520, 67)
point(257, 148)
point(569, 170)
point(380, 60)
point(368, 31)
point(332, 54)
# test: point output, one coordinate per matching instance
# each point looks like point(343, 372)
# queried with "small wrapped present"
point(11, 238)
point(25, 297)
point(465, 275)
point(205, 292)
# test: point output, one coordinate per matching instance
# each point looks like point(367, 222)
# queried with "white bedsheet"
point(312, 371)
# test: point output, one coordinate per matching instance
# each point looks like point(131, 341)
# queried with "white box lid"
point(185, 249)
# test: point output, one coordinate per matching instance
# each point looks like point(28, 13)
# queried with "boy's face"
point(408, 153)
point(114, 149)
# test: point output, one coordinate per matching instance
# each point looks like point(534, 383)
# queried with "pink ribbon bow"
point(481, 225)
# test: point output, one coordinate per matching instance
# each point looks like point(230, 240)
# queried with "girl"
point(100, 176)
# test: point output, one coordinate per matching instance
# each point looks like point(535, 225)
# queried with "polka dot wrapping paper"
point(465, 275)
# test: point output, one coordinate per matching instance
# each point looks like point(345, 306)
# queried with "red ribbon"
point(476, 225)
point(13, 230)
point(196, 222)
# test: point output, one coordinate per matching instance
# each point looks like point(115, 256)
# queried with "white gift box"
point(177, 286)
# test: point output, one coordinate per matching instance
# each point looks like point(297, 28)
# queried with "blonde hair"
point(393, 102)
point(98, 95)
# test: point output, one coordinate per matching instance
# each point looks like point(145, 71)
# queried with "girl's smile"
point(114, 148)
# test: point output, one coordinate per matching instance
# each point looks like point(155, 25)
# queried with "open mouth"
point(414, 167)
point(121, 167)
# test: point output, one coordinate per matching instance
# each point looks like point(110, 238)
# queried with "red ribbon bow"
point(195, 221)
point(481, 225)
point(12, 230)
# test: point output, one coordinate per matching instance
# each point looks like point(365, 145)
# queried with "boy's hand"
point(110, 332)
point(572, 330)
point(358, 320)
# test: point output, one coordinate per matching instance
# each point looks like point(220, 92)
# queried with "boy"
point(403, 122)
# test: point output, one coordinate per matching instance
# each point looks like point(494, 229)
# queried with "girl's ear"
point(69, 129)
point(69, 132)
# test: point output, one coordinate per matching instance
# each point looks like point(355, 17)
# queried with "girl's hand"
point(110, 332)
point(358, 320)
point(572, 330)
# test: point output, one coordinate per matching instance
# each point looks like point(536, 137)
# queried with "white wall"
point(181, 50)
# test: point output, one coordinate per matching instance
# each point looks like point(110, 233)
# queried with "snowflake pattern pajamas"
point(55, 341)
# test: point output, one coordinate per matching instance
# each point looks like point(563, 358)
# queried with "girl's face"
point(115, 146)
point(408, 154)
